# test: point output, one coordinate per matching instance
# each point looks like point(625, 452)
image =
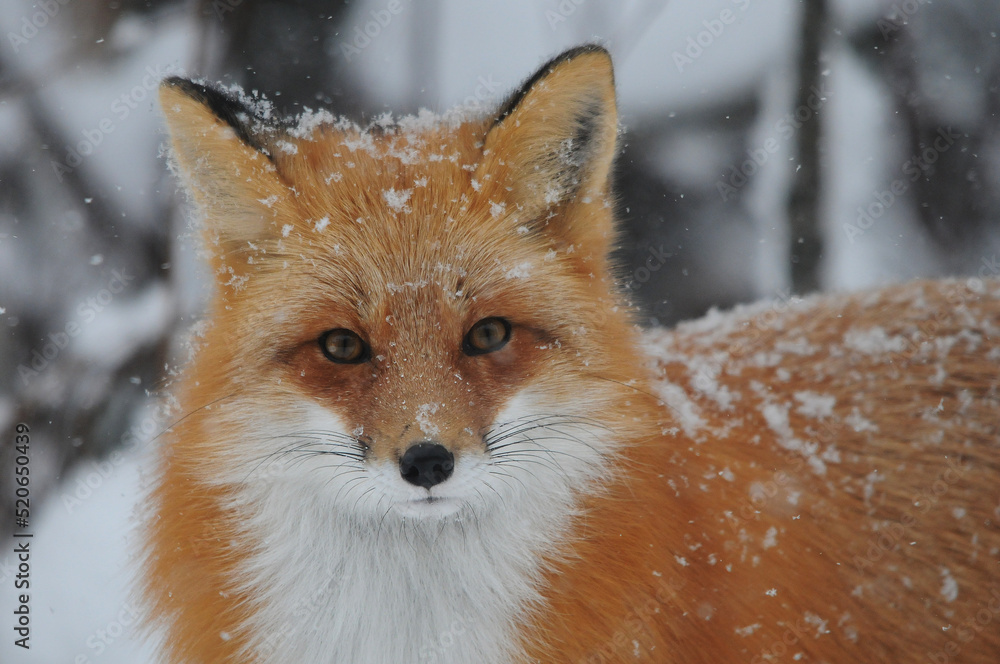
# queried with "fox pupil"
point(486, 336)
point(343, 346)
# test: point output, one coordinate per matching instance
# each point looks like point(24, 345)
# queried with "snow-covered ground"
point(82, 556)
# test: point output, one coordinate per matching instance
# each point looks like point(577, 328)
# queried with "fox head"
point(417, 319)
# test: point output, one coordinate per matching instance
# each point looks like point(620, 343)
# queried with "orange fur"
point(852, 570)
point(766, 463)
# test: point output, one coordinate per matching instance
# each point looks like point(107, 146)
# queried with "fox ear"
point(221, 152)
point(555, 137)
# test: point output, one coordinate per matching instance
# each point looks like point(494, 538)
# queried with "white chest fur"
point(341, 592)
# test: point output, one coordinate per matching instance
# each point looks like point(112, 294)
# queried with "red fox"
point(421, 424)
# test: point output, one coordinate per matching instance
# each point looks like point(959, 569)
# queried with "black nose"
point(426, 464)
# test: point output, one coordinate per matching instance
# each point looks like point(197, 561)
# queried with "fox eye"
point(486, 336)
point(343, 346)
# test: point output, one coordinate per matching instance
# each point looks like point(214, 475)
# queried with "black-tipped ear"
point(555, 136)
point(515, 98)
point(226, 108)
point(218, 146)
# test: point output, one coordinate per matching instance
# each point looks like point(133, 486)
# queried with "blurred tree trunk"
point(805, 234)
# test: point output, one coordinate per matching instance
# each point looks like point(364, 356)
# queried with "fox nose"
point(426, 464)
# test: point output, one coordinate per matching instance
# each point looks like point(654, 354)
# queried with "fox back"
point(421, 426)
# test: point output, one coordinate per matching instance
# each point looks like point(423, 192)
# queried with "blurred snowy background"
point(771, 147)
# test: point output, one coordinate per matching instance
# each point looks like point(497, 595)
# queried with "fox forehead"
point(395, 224)
point(393, 190)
